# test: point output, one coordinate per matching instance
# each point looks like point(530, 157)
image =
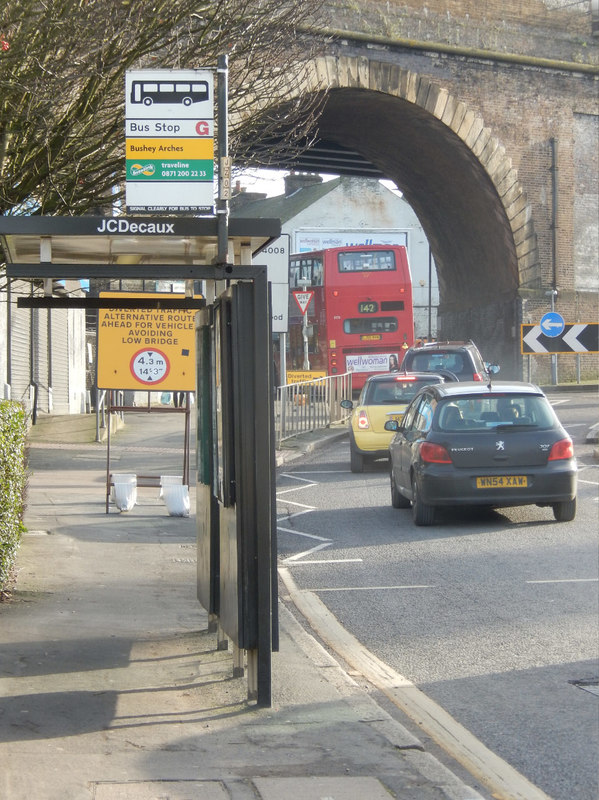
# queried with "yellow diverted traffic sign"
point(304, 376)
point(146, 349)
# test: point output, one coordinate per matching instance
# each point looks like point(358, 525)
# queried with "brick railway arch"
point(458, 179)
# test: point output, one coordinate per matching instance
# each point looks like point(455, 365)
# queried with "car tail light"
point(434, 453)
point(363, 421)
point(477, 377)
point(560, 450)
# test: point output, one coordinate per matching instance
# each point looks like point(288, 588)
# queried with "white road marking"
point(301, 505)
point(293, 476)
point(568, 580)
point(323, 561)
point(368, 588)
point(316, 472)
point(301, 533)
point(295, 558)
point(295, 489)
point(557, 402)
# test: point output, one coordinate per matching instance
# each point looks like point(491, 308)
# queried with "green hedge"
point(13, 480)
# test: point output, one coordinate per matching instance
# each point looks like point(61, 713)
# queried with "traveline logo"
point(126, 226)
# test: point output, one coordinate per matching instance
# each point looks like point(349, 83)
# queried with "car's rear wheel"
point(565, 511)
point(356, 461)
point(422, 513)
point(397, 499)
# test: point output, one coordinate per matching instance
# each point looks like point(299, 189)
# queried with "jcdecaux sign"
point(116, 225)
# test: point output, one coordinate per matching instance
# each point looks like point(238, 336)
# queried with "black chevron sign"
point(577, 337)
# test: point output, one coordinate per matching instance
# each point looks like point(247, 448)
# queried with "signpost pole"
point(224, 191)
point(283, 359)
point(553, 293)
point(305, 338)
point(303, 300)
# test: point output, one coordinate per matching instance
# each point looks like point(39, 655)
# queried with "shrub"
point(13, 479)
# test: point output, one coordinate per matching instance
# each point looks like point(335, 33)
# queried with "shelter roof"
point(128, 240)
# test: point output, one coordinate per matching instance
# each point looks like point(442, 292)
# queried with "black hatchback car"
point(480, 444)
point(456, 361)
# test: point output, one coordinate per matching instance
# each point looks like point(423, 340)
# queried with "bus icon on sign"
point(173, 92)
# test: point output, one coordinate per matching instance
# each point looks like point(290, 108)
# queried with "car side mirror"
point(392, 425)
point(492, 369)
point(346, 404)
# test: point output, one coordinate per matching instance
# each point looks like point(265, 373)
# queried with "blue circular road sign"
point(552, 324)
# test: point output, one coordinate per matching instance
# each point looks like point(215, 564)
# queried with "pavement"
point(112, 686)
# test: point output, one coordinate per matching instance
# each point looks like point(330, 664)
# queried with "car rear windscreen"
point(395, 390)
point(481, 412)
point(433, 362)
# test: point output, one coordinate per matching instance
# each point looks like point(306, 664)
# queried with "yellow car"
point(384, 396)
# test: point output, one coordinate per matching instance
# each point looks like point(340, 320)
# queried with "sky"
point(272, 182)
point(269, 181)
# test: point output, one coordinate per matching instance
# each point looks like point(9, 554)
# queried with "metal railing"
point(311, 405)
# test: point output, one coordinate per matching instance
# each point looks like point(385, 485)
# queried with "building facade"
point(43, 354)
point(345, 211)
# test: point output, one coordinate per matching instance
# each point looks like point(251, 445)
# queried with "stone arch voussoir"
point(359, 72)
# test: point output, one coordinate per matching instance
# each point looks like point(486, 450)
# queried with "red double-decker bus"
point(359, 318)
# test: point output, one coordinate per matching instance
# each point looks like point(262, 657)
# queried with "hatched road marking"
point(299, 558)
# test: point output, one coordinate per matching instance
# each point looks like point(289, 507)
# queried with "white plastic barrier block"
point(166, 480)
point(121, 477)
point(176, 498)
point(124, 490)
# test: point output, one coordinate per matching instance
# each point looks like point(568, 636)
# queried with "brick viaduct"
point(485, 114)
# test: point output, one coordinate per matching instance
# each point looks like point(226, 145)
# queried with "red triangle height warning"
point(303, 299)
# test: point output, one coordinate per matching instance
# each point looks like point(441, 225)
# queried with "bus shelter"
point(236, 540)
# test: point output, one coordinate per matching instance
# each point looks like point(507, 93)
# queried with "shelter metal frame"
point(187, 248)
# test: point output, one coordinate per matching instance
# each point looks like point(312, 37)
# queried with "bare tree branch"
point(62, 68)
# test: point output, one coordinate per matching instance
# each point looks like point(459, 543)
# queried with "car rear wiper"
point(506, 426)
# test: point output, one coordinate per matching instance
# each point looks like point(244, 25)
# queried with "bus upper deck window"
point(317, 273)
